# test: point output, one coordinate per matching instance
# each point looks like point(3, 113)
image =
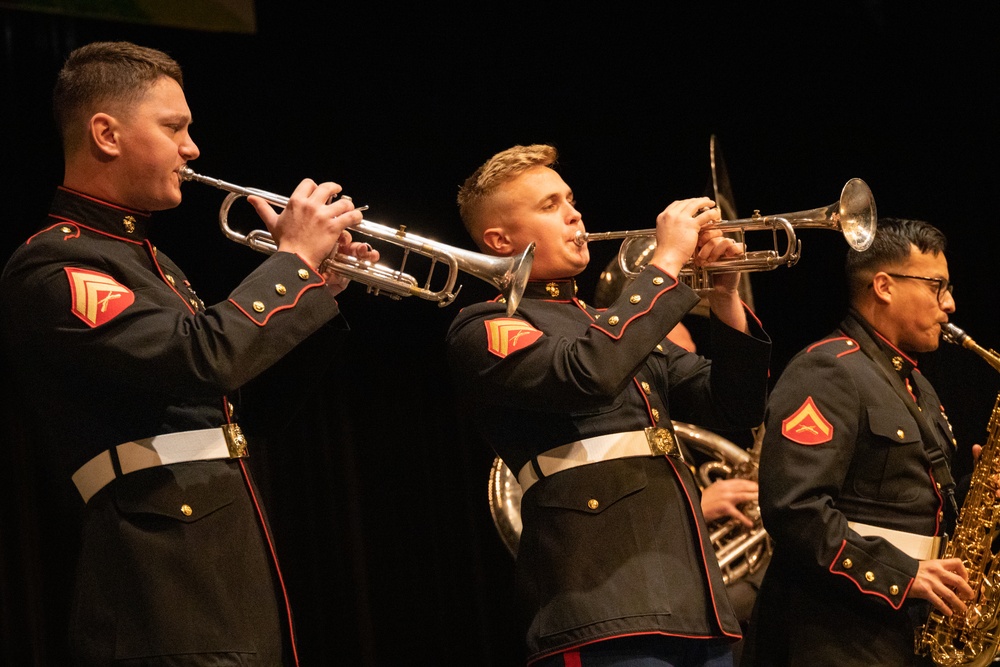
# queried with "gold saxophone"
point(972, 638)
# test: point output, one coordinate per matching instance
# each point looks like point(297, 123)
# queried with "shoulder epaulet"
point(837, 346)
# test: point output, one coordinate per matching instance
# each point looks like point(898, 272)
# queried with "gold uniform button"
point(656, 415)
point(848, 563)
point(280, 289)
point(230, 409)
point(869, 576)
point(635, 298)
point(900, 434)
point(170, 279)
point(303, 274)
point(186, 510)
point(657, 280)
point(65, 230)
point(660, 348)
point(258, 306)
point(613, 320)
point(646, 388)
point(894, 590)
point(593, 504)
point(850, 343)
point(194, 303)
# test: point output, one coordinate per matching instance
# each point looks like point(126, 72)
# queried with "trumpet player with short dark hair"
point(614, 564)
point(854, 473)
point(127, 375)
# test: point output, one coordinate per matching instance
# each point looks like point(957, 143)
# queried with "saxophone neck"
point(956, 336)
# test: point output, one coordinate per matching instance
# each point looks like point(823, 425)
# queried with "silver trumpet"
point(854, 215)
point(508, 274)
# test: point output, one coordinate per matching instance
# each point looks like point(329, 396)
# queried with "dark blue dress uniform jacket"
point(638, 560)
point(154, 583)
point(830, 595)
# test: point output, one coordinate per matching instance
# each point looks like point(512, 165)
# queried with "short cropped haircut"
point(891, 247)
point(108, 76)
point(484, 182)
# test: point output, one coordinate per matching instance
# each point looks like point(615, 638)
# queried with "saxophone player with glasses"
point(855, 483)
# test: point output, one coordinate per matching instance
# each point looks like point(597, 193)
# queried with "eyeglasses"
point(943, 285)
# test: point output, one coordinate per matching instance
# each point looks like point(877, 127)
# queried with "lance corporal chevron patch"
point(97, 297)
point(807, 425)
point(507, 334)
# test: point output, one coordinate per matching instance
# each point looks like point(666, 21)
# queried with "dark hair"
point(112, 74)
point(893, 240)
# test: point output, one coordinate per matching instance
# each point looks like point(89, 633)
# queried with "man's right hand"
point(677, 231)
point(311, 224)
point(944, 582)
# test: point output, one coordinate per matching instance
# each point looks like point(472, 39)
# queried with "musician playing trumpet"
point(614, 564)
point(855, 485)
point(128, 375)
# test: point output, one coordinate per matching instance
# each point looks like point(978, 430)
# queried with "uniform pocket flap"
point(185, 492)
point(895, 424)
point(592, 488)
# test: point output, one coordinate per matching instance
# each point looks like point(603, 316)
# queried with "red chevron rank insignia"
point(506, 335)
point(97, 297)
point(807, 425)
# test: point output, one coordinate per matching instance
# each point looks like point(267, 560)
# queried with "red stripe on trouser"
point(274, 558)
point(571, 659)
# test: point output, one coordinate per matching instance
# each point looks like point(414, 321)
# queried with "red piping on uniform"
point(701, 547)
point(577, 647)
point(89, 229)
point(159, 271)
point(279, 308)
point(274, 558)
point(851, 579)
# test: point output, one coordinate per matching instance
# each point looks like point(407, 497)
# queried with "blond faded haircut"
point(479, 188)
point(105, 76)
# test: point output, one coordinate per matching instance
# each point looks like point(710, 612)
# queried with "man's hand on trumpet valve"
point(312, 222)
point(678, 228)
point(337, 282)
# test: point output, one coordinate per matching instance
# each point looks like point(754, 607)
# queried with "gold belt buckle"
point(235, 441)
point(662, 441)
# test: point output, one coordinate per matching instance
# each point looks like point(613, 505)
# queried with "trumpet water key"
point(508, 274)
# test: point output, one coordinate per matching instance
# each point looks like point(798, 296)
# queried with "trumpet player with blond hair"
point(614, 564)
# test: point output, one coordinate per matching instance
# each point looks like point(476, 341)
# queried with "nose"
point(947, 303)
point(189, 150)
point(573, 216)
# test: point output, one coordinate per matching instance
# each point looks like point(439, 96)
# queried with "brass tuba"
point(740, 551)
point(973, 638)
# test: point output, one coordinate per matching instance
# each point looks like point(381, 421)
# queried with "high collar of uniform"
point(901, 363)
point(563, 289)
point(103, 216)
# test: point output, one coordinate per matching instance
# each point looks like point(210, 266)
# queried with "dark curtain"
point(375, 481)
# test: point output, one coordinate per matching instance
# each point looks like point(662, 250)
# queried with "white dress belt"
point(202, 445)
point(653, 441)
point(921, 547)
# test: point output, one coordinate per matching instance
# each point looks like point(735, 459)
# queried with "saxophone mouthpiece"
point(953, 334)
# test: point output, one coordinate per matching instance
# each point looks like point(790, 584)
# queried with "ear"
point(103, 130)
point(882, 287)
point(498, 240)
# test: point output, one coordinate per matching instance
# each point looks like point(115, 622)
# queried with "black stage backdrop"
point(376, 482)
